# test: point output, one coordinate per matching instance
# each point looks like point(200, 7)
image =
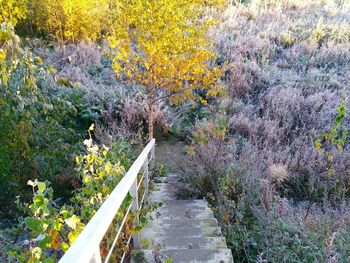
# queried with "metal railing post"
point(135, 211)
point(86, 248)
point(97, 256)
point(153, 154)
point(146, 178)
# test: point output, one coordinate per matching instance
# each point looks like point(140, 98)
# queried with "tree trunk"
point(150, 121)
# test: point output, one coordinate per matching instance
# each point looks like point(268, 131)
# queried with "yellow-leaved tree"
point(11, 11)
point(70, 20)
point(163, 45)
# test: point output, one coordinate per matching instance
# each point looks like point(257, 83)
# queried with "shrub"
point(160, 170)
point(49, 229)
point(276, 193)
point(112, 103)
point(42, 124)
point(69, 20)
point(11, 11)
point(282, 236)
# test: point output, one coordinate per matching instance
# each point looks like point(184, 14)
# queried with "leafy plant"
point(52, 228)
point(11, 11)
point(163, 46)
point(69, 20)
point(330, 146)
point(160, 170)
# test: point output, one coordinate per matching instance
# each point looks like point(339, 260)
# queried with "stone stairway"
point(181, 231)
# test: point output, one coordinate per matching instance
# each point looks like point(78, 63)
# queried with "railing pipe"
point(146, 179)
point(153, 157)
point(135, 211)
point(86, 248)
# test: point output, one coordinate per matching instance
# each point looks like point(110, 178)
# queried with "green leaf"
point(64, 246)
point(38, 60)
point(57, 225)
point(4, 79)
point(64, 212)
point(136, 229)
point(87, 179)
point(73, 221)
point(128, 199)
point(72, 236)
point(41, 187)
point(36, 252)
point(108, 167)
point(143, 220)
point(49, 260)
point(45, 242)
point(33, 223)
point(38, 200)
point(79, 159)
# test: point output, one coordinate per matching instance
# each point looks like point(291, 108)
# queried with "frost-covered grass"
point(279, 198)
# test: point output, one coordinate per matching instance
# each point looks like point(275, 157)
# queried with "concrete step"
point(166, 186)
point(188, 209)
point(185, 243)
point(180, 204)
point(158, 233)
point(176, 215)
point(182, 209)
point(180, 231)
point(186, 222)
point(162, 196)
point(182, 256)
point(164, 179)
point(186, 202)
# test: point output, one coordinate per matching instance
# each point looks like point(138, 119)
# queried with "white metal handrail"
point(86, 248)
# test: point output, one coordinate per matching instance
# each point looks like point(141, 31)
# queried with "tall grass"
point(272, 189)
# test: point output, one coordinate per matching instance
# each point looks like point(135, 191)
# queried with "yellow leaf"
point(54, 239)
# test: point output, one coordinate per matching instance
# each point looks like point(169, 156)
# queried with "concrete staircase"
point(181, 231)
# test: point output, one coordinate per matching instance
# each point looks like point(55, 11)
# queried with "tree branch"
point(166, 96)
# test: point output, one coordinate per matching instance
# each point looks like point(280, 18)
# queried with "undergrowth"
point(272, 157)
